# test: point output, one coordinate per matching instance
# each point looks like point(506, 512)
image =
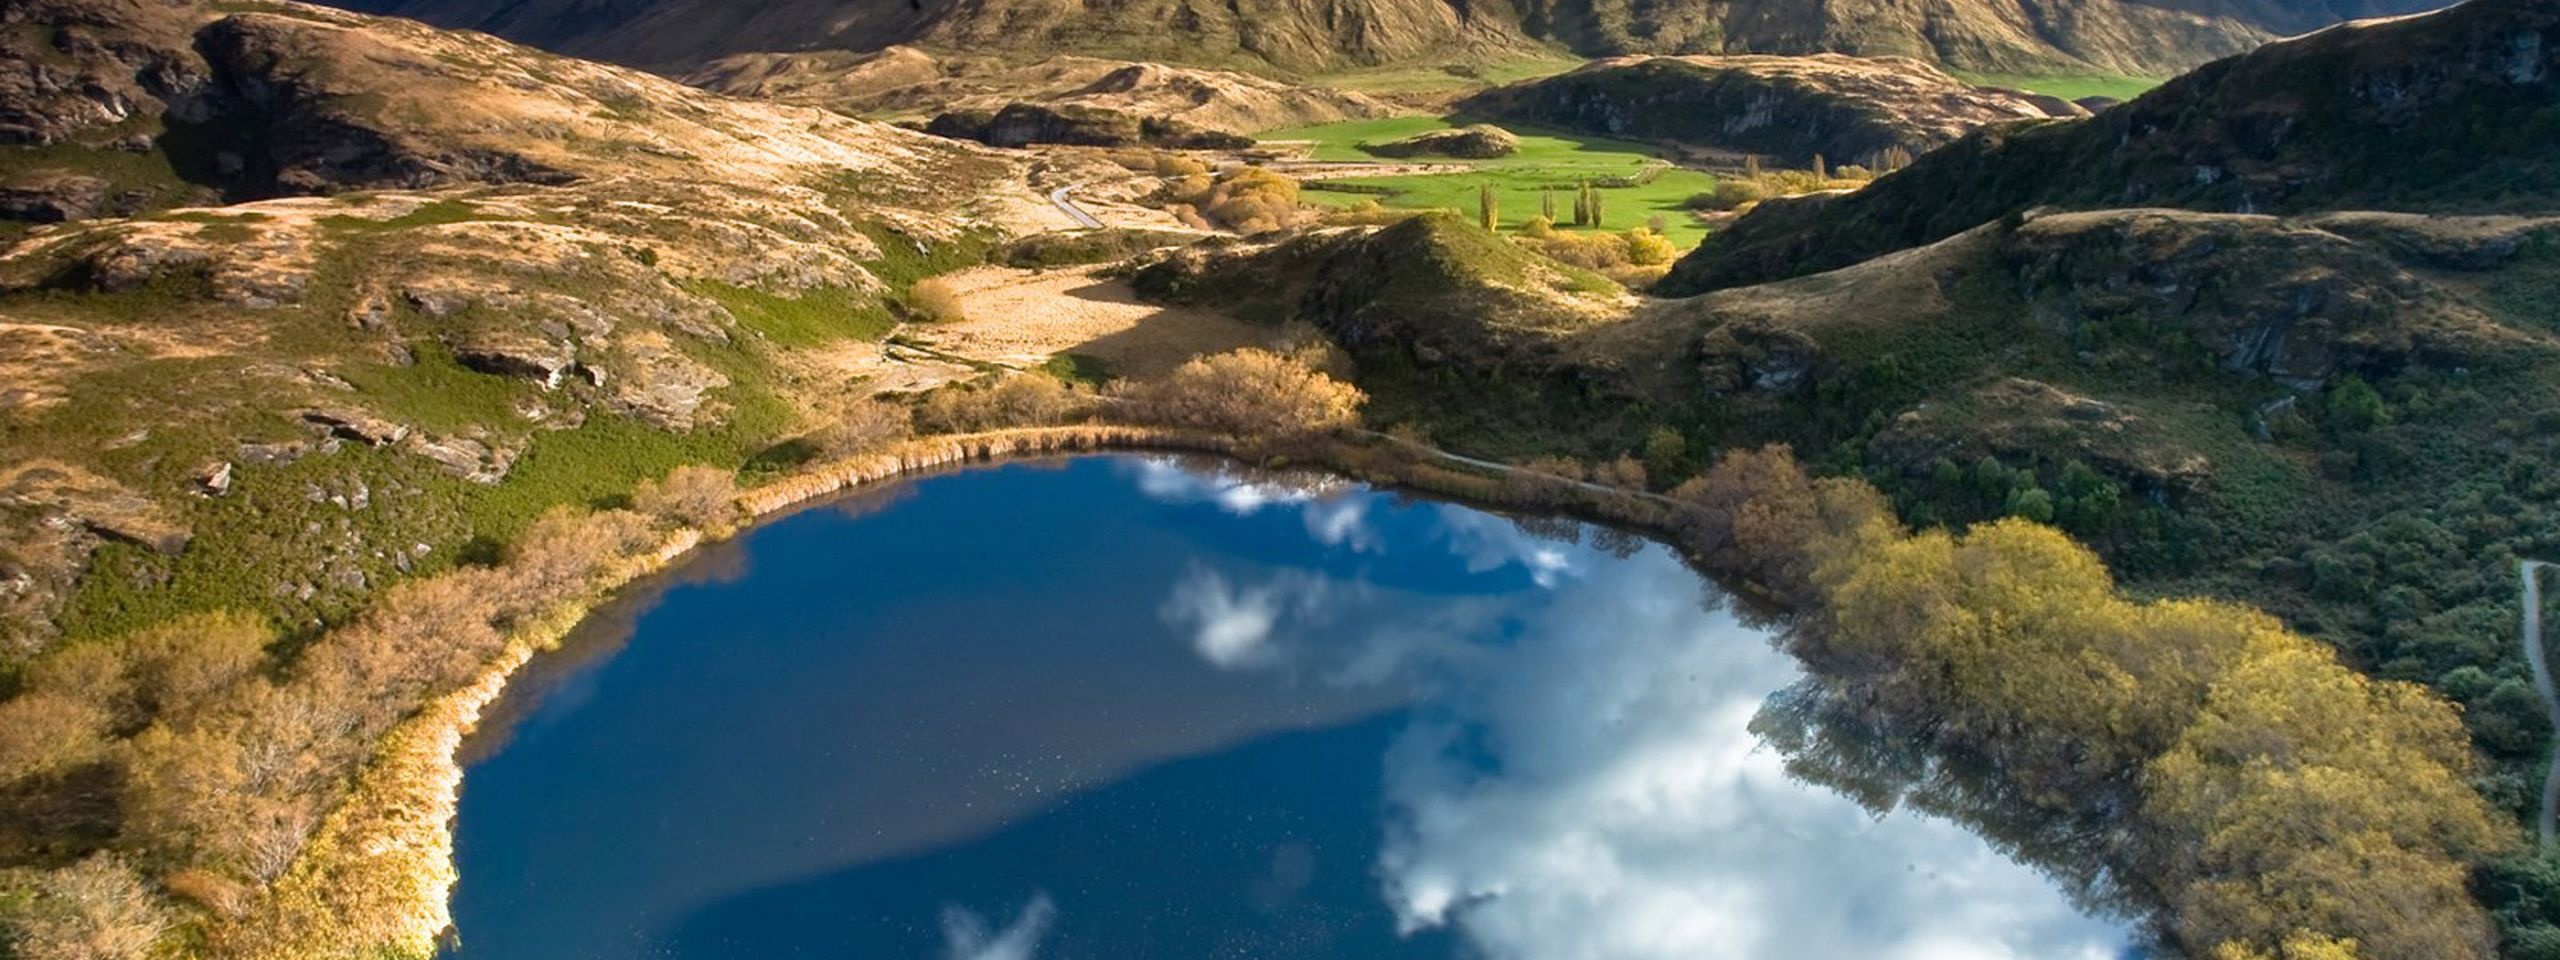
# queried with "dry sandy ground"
point(1023, 317)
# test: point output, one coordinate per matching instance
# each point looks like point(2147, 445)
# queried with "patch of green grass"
point(147, 171)
point(2069, 86)
point(817, 316)
point(437, 393)
point(1548, 159)
point(1078, 368)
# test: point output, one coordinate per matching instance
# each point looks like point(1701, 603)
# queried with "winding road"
point(1067, 205)
point(2541, 663)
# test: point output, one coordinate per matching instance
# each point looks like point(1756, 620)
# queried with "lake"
point(1122, 708)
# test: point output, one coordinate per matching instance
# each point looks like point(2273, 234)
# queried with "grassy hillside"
point(2452, 112)
point(2069, 86)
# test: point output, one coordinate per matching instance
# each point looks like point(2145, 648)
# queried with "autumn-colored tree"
point(1646, 248)
point(1245, 199)
point(1624, 472)
point(692, 495)
point(2296, 946)
point(1016, 400)
point(938, 300)
point(860, 425)
point(181, 666)
point(2307, 796)
point(97, 909)
point(44, 733)
point(1253, 393)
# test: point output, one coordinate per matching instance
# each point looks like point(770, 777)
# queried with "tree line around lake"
point(2271, 802)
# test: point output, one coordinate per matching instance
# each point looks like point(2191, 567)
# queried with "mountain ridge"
point(2147, 37)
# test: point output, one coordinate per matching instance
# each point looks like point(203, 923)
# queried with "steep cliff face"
point(2458, 111)
point(2122, 36)
point(1847, 109)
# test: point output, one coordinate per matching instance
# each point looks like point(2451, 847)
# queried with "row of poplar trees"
point(1586, 206)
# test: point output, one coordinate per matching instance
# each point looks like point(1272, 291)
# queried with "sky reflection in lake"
point(1134, 708)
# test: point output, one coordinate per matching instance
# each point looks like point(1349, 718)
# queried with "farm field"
point(1548, 159)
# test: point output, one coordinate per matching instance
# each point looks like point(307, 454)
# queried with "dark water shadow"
point(1236, 854)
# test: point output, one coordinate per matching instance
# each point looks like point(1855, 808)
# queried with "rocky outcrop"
point(73, 72)
point(1025, 124)
point(287, 118)
point(1846, 109)
point(1475, 141)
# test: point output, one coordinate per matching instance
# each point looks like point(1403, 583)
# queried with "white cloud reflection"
point(968, 936)
point(1488, 543)
point(1593, 792)
point(1336, 512)
point(1231, 626)
point(1580, 781)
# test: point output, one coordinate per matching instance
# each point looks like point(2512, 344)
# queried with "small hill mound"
point(1024, 124)
point(1432, 282)
point(1479, 141)
point(2451, 112)
point(1848, 109)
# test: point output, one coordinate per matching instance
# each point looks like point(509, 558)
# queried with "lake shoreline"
point(394, 834)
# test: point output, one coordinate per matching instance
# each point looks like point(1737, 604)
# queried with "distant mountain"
point(2120, 36)
point(2454, 112)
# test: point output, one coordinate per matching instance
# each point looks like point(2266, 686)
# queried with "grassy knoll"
point(1547, 159)
point(2069, 86)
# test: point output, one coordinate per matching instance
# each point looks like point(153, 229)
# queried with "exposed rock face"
point(903, 79)
point(2120, 36)
point(1478, 141)
point(1847, 109)
point(68, 69)
point(2428, 113)
point(516, 353)
point(1023, 124)
point(466, 457)
point(288, 116)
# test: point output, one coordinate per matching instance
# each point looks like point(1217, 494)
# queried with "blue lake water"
point(1124, 708)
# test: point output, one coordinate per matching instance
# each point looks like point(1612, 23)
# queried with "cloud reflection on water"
point(1593, 790)
point(968, 936)
point(1581, 782)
